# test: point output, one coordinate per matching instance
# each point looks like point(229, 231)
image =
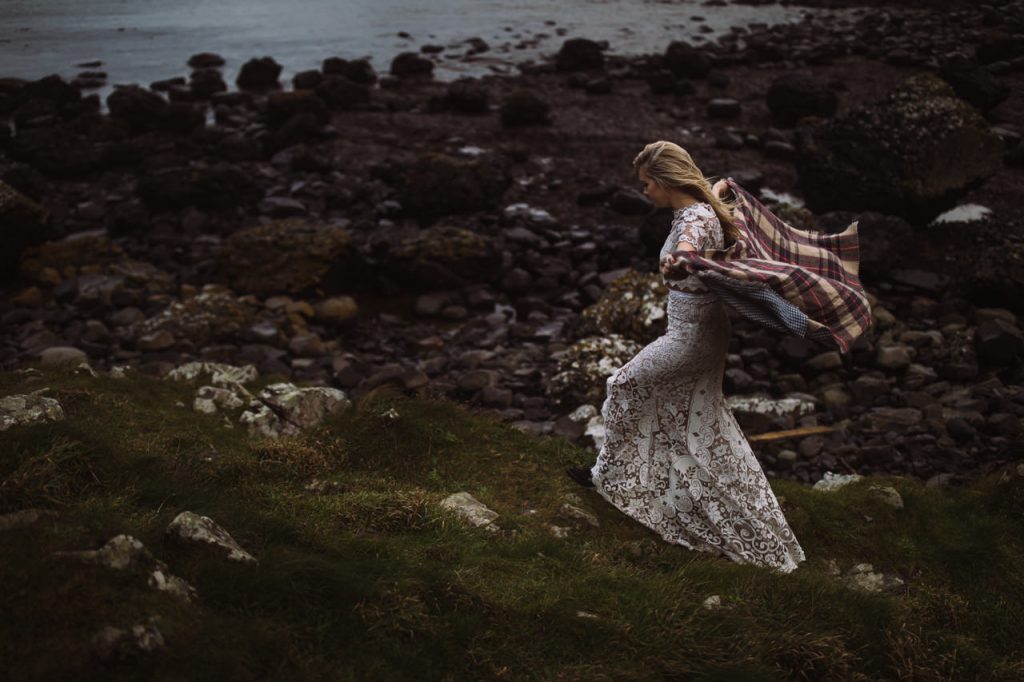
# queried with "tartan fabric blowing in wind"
point(798, 282)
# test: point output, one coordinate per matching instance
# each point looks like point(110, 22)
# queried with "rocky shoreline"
point(476, 239)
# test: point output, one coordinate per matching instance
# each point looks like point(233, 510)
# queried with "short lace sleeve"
point(692, 224)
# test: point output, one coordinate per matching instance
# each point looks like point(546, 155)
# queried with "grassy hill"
point(371, 579)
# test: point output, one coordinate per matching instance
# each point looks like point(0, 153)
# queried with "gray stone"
point(220, 374)
point(284, 409)
point(863, 577)
point(832, 481)
point(193, 528)
point(888, 495)
point(32, 408)
point(56, 355)
point(471, 510)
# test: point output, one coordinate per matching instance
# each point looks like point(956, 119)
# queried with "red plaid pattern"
point(774, 267)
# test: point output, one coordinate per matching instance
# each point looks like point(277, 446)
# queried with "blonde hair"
point(671, 166)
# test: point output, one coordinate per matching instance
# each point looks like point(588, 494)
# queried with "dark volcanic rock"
point(998, 342)
point(217, 186)
point(686, 61)
point(205, 82)
point(467, 96)
point(282, 106)
point(22, 223)
point(57, 152)
point(974, 84)
point(409, 64)
point(341, 92)
point(910, 154)
point(259, 74)
point(289, 256)
point(442, 257)
point(578, 54)
point(524, 108)
point(142, 109)
point(205, 60)
point(793, 96)
point(436, 185)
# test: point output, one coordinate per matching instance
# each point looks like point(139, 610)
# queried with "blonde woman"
point(674, 457)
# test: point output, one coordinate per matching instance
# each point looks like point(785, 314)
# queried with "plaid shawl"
point(797, 282)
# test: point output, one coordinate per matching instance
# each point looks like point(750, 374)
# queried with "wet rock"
point(442, 257)
point(140, 108)
point(340, 92)
point(205, 60)
point(973, 83)
point(282, 106)
point(793, 96)
point(411, 64)
point(193, 528)
point(891, 418)
point(524, 108)
point(259, 74)
point(16, 410)
point(471, 510)
point(436, 185)
point(823, 362)
point(630, 202)
point(998, 342)
point(337, 311)
point(913, 125)
point(895, 357)
point(284, 409)
point(722, 107)
point(467, 96)
point(23, 223)
point(577, 54)
point(216, 186)
point(686, 61)
point(289, 256)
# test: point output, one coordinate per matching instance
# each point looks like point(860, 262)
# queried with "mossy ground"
point(376, 582)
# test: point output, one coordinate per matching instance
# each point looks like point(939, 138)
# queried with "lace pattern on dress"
point(695, 224)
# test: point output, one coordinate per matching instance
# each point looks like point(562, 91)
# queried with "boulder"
point(912, 153)
point(468, 508)
point(578, 54)
point(23, 223)
point(998, 342)
point(16, 410)
point(195, 529)
point(467, 96)
point(442, 257)
point(284, 409)
point(282, 106)
point(341, 92)
point(411, 64)
point(524, 108)
point(259, 74)
point(436, 185)
point(793, 96)
point(140, 108)
point(216, 186)
point(289, 256)
point(686, 61)
point(213, 315)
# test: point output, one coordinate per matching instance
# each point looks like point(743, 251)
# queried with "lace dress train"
point(674, 457)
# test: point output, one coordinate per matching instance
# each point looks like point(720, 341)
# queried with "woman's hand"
point(719, 188)
point(668, 265)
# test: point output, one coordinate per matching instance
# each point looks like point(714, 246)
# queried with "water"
point(139, 41)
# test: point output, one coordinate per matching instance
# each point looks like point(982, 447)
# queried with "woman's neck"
point(682, 200)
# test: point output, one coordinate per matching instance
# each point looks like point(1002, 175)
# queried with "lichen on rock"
point(632, 306)
point(582, 372)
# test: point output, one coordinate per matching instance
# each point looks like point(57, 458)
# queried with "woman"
point(674, 457)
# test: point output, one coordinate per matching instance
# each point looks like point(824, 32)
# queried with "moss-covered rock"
point(290, 256)
point(632, 306)
point(213, 315)
point(22, 223)
point(443, 257)
point(910, 153)
point(582, 373)
point(437, 185)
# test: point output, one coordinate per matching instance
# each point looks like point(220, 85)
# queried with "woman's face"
point(652, 190)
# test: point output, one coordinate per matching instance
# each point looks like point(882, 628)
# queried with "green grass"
point(376, 582)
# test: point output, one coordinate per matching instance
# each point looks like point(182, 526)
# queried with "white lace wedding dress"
point(674, 457)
